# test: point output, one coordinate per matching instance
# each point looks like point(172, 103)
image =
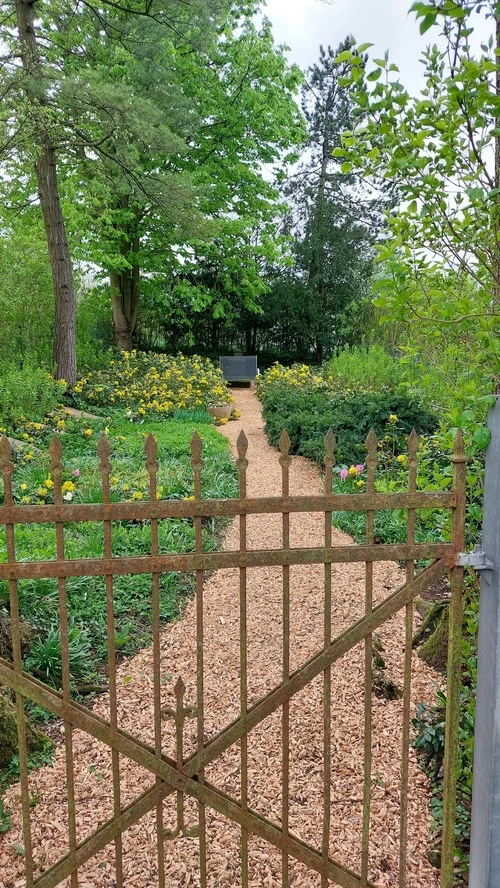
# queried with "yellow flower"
point(42, 491)
point(402, 459)
point(68, 486)
point(188, 498)
point(49, 483)
point(360, 483)
point(114, 480)
point(352, 471)
point(137, 495)
point(25, 499)
point(88, 433)
point(126, 487)
point(393, 418)
point(23, 486)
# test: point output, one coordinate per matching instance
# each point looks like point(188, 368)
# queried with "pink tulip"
point(343, 474)
point(359, 469)
point(76, 473)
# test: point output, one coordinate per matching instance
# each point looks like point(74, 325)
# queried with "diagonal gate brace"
point(185, 781)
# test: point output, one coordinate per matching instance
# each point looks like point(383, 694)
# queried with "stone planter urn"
point(223, 411)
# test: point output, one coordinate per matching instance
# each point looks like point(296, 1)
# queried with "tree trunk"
point(46, 175)
point(125, 294)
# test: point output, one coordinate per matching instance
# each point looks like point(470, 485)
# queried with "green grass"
point(38, 599)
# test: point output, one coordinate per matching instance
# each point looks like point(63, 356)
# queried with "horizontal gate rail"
point(163, 509)
point(146, 564)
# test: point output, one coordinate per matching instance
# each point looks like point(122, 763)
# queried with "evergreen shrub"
point(308, 408)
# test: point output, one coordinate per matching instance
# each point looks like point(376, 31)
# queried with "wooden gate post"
point(485, 840)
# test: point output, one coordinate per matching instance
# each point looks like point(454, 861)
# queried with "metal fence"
point(186, 776)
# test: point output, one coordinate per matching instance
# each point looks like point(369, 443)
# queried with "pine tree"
point(335, 222)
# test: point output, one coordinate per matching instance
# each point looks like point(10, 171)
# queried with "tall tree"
point(52, 56)
point(334, 222)
point(230, 109)
point(48, 191)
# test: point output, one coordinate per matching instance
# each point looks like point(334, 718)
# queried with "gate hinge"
point(476, 559)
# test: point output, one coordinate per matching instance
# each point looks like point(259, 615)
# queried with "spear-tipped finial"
point(150, 446)
point(242, 445)
point(104, 451)
point(459, 443)
point(285, 443)
point(196, 447)
point(413, 442)
point(330, 444)
point(179, 688)
point(6, 464)
point(55, 450)
point(151, 450)
point(5, 452)
point(371, 445)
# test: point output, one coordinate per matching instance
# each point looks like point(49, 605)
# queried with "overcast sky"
point(305, 24)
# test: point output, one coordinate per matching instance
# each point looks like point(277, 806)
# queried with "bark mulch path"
point(93, 760)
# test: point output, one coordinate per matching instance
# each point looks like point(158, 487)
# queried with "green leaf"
point(344, 56)
point(364, 46)
point(482, 437)
point(346, 167)
point(374, 75)
point(427, 23)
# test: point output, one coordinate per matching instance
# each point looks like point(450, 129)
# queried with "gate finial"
point(242, 445)
point(285, 443)
point(330, 444)
point(371, 445)
point(6, 464)
point(196, 448)
point(151, 450)
point(459, 454)
point(56, 451)
point(104, 450)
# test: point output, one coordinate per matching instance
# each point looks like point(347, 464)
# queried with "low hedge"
point(307, 415)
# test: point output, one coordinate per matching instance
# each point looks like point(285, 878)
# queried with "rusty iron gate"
point(182, 777)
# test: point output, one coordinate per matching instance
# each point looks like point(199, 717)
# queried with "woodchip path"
point(178, 645)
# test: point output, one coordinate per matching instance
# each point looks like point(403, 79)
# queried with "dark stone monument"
point(239, 368)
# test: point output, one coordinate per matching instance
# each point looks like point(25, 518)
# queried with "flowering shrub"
point(154, 385)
